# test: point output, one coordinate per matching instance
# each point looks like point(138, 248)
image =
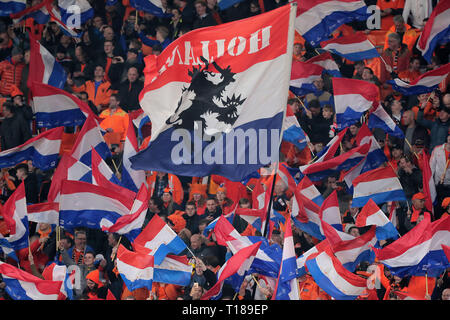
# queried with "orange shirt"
point(117, 121)
point(418, 286)
point(409, 75)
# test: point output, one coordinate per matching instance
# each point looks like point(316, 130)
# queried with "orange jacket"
point(174, 184)
point(117, 121)
point(10, 74)
point(387, 21)
point(409, 37)
point(103, 92)
point(309, 290)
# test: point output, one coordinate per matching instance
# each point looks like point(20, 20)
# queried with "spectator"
point(438, 128)
point(396, 56)
point(323, 96)
point(115, 122)
point(417, 11)
point(79, 249)
point(155, 206)
point(30, 182)
point(359, 68)
point(11, 71)
point(14, 130)
point(98, 89)
point(83, 69)
point(413, 71)
point(203, 18)
point(191, 217)
point(412, 131)
point(169, 204)
point(408, 35)
point(410, 177)
point(440, 168)
point(119, 68)
point(129, 90)
point(212, 210)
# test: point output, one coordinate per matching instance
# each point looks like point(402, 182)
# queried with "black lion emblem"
point(205, 101)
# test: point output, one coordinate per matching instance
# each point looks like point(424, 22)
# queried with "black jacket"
point(14, 132)
point(192, 222)
point(129, 95)
point(206, 21)
point(411, 182)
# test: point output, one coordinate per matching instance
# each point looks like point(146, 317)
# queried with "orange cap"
point(15, 91)
point(95, 276)
point(419, 195)
point(178, 221)
point(446, 203)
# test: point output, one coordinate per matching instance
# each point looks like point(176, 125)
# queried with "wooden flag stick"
point(410, 147)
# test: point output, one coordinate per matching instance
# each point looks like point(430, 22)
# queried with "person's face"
point(220, 195)
point(366, 75)
point(196, 196)
point(89, 259)
point(98, 22)
point(446, 100)
point(415, 65)
point(99, 72)
point(359, 68)
point(79, 54)
point(279, 188)
point(90, 284)
point(166, 197)
point(26, 57)
point(393, 44)
point(17, 57)
point(44, 226)
point(399, 26)
point(131, 55)
point(254, 7)
point(108, 33)
point(315, 111)
point(297, 49)
point(353, 130)
point(190, 210)
point(113, 102)
point(152, 206)
point(195, 242)
point(407, 118)
point(396, 107)
point(444, 116)
point(132, 75)
point(21, 174)
point(318, 84)
point(111, 240)
point(245, 205)
point(84, 97)
point(108, 47)
point(18, 100)
point(418, 204)
point(175, 14)
point(211, 3)
point(446, 294)
point(354, 232)
point(211, 205)
point(396, 153)
point(201, 10)
point(80, 240)
point(422, 97)
point(327, 114)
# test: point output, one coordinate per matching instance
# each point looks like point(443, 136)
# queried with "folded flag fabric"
point(354, 47)
point(303, 75)
point(379, 118)
point(43, 150)
point(326, 61)
point(435, 31)
point(352, 98)
point(317, 19)
point(15, 216)
point(21, 285)
point(380, 185)
point(331, 276)
point(419, 252)
point(136, 269)
point(161, 239)
point(47, 212)
point(371, 214)
point(239, 263)
point(426, 82)
point(11, 7)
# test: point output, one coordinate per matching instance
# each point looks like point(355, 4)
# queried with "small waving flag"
point(136, 269)
point(160, 238)
point(16, 218)
point(371, 214)
point(21, 285)
point(303, 75)
point(239, 263)
point(379, 118)
point(435, 31)
point(354, 47)
point(43, 150)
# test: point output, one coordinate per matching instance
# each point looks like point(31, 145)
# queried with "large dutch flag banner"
point(218, 99)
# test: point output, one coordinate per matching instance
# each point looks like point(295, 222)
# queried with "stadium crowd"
point(105, 70)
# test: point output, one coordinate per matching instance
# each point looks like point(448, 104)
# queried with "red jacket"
point(10, 74)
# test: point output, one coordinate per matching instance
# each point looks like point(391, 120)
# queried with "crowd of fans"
point(105, 70)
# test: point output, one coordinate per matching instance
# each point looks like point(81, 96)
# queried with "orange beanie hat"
point(95, 276)
point(15, 91)
point(178, 221)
